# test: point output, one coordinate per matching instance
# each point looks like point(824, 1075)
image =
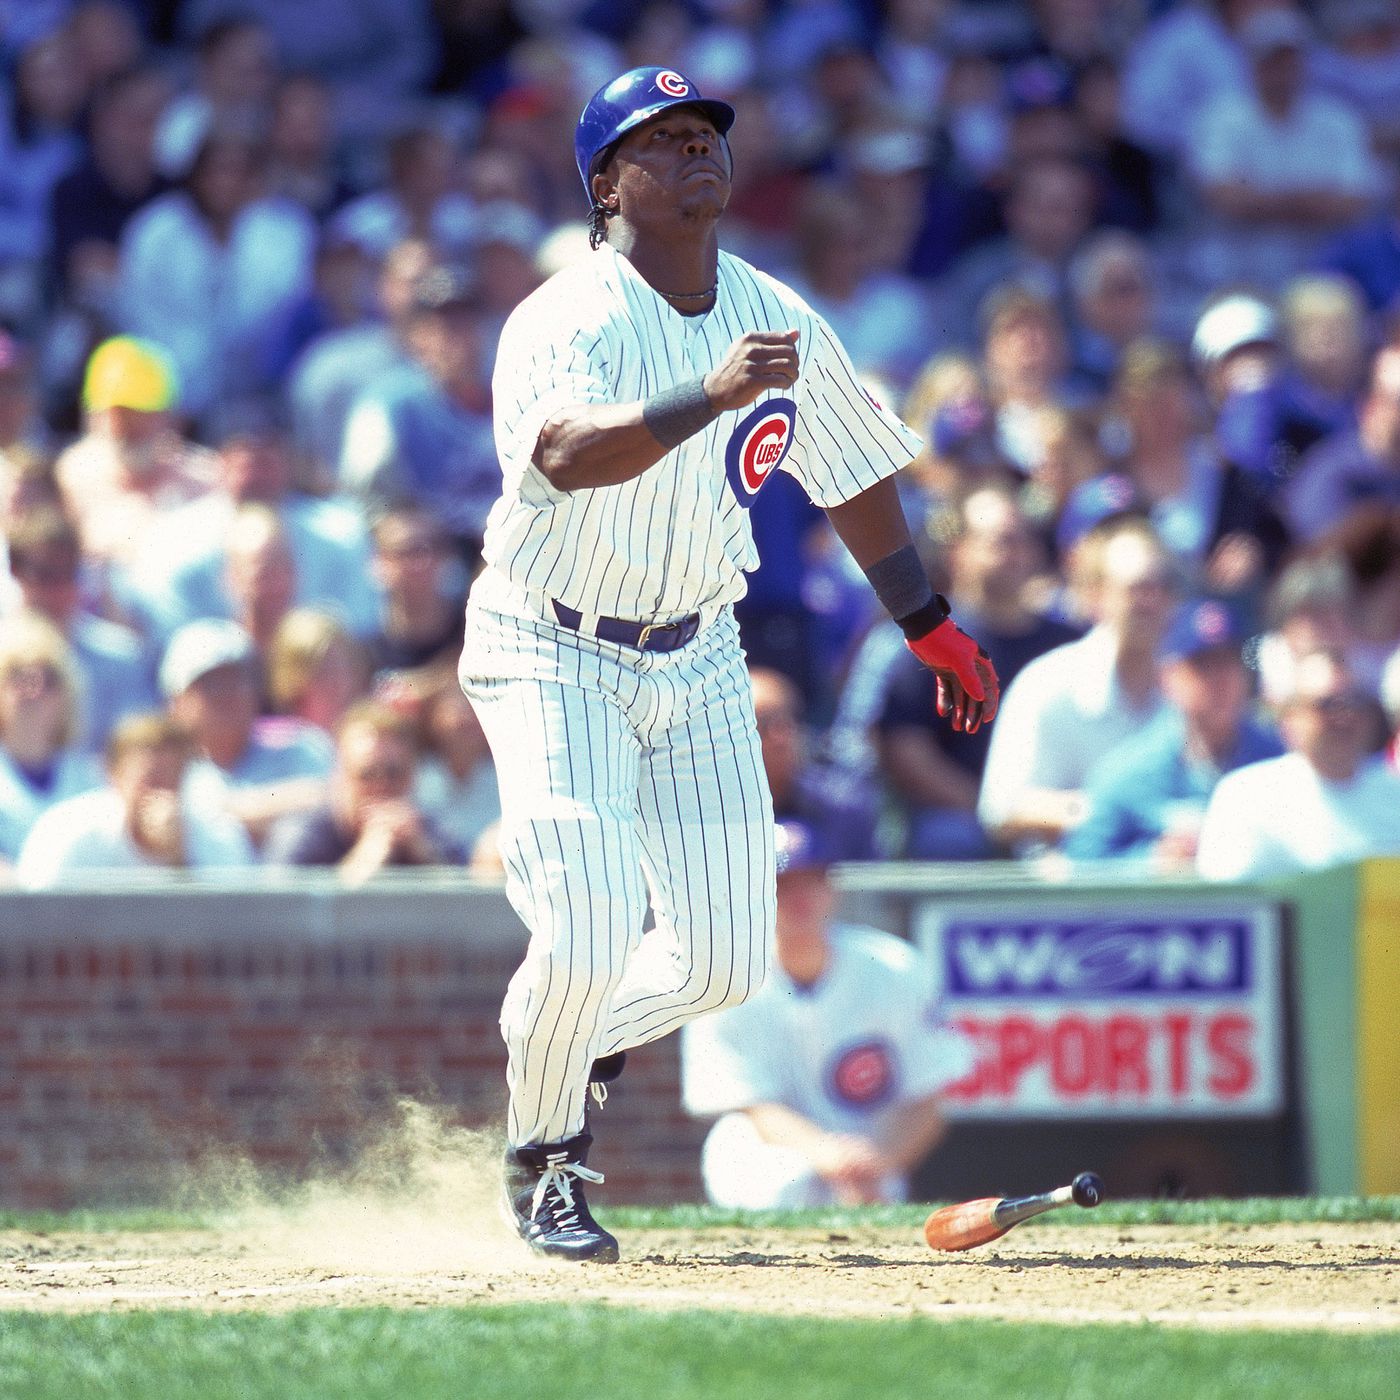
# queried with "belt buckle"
point(648, 628)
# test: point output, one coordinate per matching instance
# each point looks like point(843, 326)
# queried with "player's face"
point(674, 164)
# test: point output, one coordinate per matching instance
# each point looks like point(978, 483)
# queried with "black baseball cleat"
point(544, 1201)
point(605, 1069)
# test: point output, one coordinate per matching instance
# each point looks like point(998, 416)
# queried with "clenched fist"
point(756, 361)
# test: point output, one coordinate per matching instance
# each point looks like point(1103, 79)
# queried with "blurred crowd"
point(1131, 268)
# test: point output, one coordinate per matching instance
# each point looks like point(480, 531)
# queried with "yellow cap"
point(128, 373)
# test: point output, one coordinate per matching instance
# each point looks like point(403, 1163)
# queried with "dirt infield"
point(1337, 1277)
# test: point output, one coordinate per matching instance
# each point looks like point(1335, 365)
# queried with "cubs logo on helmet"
point(757, 447)
point(863, 1075)
point(671, 83)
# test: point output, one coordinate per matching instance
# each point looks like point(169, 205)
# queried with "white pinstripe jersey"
point(676, 538)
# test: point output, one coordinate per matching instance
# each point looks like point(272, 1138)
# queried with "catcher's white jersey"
point(675, 539)
point(866, 1037)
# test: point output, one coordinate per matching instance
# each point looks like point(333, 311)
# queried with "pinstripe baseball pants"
point(623, 774)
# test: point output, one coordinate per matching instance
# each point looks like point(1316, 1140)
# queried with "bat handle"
point(1015, 1209)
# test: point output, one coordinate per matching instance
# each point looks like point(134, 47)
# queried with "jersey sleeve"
point(845, 441)
point(726, 1064)
point(541, 367)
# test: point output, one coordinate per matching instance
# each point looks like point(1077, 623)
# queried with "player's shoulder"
point(742, 273)
point(880, 953)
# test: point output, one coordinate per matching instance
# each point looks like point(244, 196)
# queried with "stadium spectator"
point(23, 432)
point(1311, 607)
point(503, 256)
point(40, 763)
point(1071, 705)
point(1369, 254)
point(138, 821)
point(421, 616)
point(1390, 700)
point(882, 319)
point(842, 817)
point(828, 1080)
point(93, 203)
point(107, 39)
point(1357, 467)
point(131, 464)
point(254, 769)
point(235, 70)
point(1181, 63)
point(1368, 543)
point(333, 370)
point(1146, 798)
point(417, 202)
point(1026, 358)
point(424, 434)
point(1276, 164)
point(182, 572)
point(315, 668)
point(373, 54)
point(991, 554)
point(1049, 209)
point(1325, 337)
point(209, 270)
point(1360, 65)
point(301, 163)
point(1329, 798)
point(456, 784)
point(39, 145)
point(260, 572)
point(371, 820)
point(1213, 517)
point(1115, 303)
point(113, 668)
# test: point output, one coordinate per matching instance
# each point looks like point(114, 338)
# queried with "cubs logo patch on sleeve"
point(758, 446)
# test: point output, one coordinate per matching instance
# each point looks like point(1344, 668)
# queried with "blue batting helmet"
point(628, 101)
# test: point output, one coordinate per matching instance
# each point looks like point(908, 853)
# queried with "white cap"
point(200, 647)
point(1230, 324)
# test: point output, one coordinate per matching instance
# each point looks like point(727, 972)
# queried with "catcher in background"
point(643, 396)
point(829, 1078)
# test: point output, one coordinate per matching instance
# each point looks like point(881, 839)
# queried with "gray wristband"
point(678, 412)
point(900, 582)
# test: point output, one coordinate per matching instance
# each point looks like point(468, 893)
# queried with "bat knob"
point(1087, 1189)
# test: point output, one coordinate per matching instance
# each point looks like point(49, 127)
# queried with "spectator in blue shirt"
point(424, 434)
point(1147, 796)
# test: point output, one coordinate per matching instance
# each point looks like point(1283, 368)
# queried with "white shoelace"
point(556, 1175)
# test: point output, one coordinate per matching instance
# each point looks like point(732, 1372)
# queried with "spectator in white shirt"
point(1329, 799)
point(1070, 706)
point(1277, 164)
point(138, 822)
point(39, 762)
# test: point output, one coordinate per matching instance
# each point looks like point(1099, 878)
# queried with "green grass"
point(1254, 1210)
point(520, 1353)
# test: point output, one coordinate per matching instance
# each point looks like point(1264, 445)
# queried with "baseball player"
point(642, 398)
point(828, 1081)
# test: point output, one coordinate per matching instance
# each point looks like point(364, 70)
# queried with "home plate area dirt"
point(1342, 1277)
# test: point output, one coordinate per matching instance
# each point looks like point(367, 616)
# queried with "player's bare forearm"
point(910, 1131)
point(872, 525)
point(589, 445)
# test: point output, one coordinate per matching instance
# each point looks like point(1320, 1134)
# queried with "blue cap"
point(1094, 501)
point(798, 847)
point(963, 428)
point(636, 97)
point(1201, 626)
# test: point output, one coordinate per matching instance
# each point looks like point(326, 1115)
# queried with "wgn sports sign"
point(1102, 1013)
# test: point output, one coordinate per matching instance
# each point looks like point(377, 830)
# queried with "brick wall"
point(146, 1032)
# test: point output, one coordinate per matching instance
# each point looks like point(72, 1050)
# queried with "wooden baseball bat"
point(970, 1223)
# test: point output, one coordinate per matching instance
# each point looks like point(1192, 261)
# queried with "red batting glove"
point(967, 682)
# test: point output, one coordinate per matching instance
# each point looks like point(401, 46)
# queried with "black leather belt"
point(645, 636)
